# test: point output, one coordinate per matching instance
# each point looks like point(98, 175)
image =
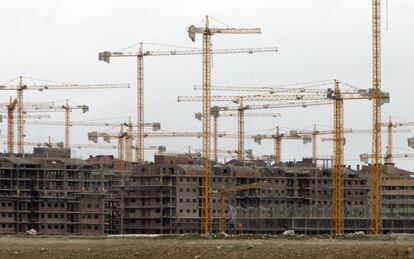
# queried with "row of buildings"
point(54, 194)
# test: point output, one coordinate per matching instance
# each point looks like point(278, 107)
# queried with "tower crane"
point(240, 115)
point(277, 137)
point(51, 85)
point(376, 168)
point(390, 125)
point(68, 110)
point(140, 54)
point(207, 32)
point(222, 193)
point(389, 155)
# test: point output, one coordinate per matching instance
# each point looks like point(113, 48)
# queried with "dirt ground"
point(196, 247)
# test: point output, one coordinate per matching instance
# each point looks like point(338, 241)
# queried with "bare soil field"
point(197, 247)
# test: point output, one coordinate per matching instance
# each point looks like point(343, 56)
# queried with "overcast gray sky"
point(317, 40)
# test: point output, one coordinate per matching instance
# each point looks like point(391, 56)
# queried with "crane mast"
point(206, 224)
point(139, 157)
point(240, 149)
point(215, 130)
point(10, 125)
point(20, 118)
point(314, 145)
point(278, 146)
point(67, 124)
point(121, 150)
point(388, 157)
point(128, 142)
point(376, 169)
point(338, 172)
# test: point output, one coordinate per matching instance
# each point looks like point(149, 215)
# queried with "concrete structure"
point(164, 197)
point(54, 194)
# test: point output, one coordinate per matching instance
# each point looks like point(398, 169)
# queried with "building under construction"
point(54, 194)
point(165, 197)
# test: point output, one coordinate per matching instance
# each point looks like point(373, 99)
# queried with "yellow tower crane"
point(376, 169)
point(67, 108)
point(338, 173)
point(278, 137)
point(140, 54)
point(49, 85)
point(207, 32)
point(390, 125)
